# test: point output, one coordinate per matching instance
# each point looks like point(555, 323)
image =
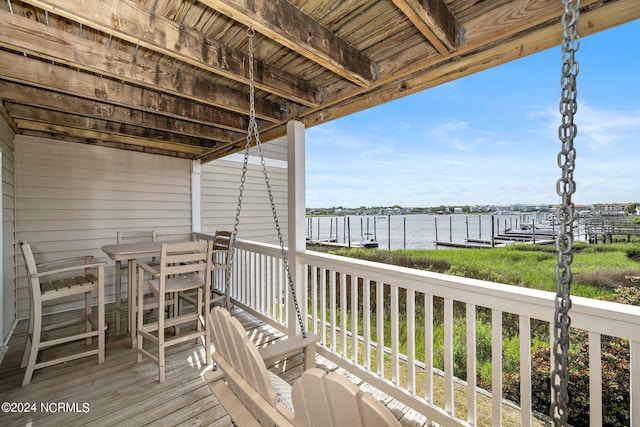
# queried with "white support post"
point(296, 219)
point(196, 196)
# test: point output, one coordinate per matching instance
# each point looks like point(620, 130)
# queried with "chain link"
point(253, 133)
point(565, 187)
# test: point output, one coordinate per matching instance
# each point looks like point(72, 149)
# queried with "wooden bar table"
point(132, 252)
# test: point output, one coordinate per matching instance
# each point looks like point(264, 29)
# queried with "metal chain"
point(253, 132)
point(565, 187)
point(237, 221)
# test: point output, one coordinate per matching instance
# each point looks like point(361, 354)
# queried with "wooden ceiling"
point(171, 77)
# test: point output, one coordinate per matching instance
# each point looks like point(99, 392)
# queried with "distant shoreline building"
point(610, 209)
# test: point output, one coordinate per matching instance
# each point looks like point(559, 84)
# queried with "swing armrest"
point(289, 346)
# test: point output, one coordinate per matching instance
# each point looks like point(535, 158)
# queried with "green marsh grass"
point(531, 266)
point(600, 271)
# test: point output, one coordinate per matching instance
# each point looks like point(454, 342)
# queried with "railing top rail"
point(604, 317)
point(264, 248)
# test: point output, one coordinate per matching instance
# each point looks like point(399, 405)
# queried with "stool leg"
point(207, 331)
point(131, 297)
point(119, 295)
point(101, 326)
point(140, 318)
point(35, 344)
point(161, 318)
point(87, 312)
point(28, 345)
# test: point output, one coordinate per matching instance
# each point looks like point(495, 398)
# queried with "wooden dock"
point(604, 231)
point(469, 244)
point(537, 239)
point(332, 243)
point(500, 240)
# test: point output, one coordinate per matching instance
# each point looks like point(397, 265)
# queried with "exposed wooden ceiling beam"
point(20, 111)
point(289, 26)
point(129, 21)
point(23, 35)
point(42, 98)
point(110, 144)
point(434, 20)
point(42, 74)
point(506, 20)
point(8, 119)
point(98, 135)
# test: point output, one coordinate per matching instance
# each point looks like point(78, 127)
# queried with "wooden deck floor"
point(121, 392)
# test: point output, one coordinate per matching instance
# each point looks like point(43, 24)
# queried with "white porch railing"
point(355, 305)
point(259, 283)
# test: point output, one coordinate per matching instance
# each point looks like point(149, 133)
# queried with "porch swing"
point(249, 392)
point(252, 395)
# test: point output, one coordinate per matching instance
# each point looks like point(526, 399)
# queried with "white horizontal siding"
point(71, 199)
point(221, 187)
point(8, 290)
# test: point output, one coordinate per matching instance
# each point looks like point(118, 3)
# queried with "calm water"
point(413, 231)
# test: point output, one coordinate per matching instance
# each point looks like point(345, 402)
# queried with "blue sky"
point(490, 138)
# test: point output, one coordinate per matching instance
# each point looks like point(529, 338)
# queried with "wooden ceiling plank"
point(42, 98)
point(109, 144)
point(129, 21)
point(512, 18)
point(21, 111)
point(286, 24)
point(502, 22)
point(24, 35)
point(434, 20)
point(41, 74)
point(104, 136)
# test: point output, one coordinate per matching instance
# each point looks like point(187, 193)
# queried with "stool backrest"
point(135, 236)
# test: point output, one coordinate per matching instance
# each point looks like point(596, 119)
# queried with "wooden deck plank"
point(205, 415)
point(121, 392)
point(148, 406)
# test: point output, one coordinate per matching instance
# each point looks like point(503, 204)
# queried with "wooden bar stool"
point(88, 278)
point(183, 267)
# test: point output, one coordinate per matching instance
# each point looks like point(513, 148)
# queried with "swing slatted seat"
point(252, 395)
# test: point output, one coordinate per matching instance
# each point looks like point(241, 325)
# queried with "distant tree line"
point(631, 208)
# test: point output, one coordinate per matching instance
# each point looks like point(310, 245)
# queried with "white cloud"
point(602, 129)
point(449, 134)
point(474, 159)
point(598, 128)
